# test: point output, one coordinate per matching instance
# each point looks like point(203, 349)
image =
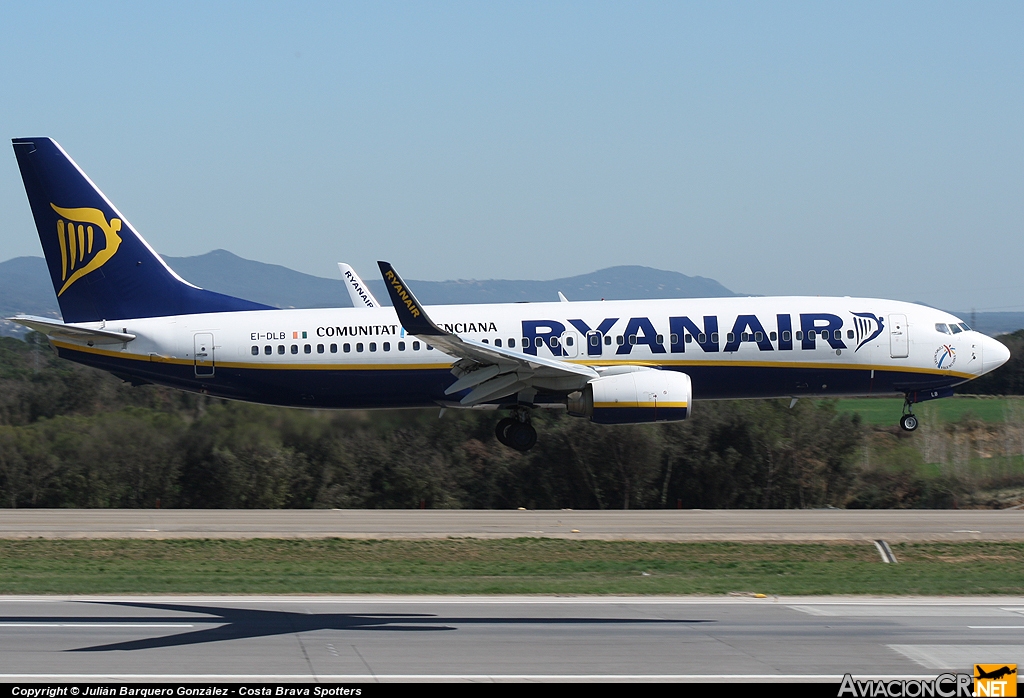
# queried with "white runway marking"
point(98, 625)
point(960, 657)
point(481, 678)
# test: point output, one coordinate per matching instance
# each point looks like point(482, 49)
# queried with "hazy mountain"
point(25, 288)
point(25, 285)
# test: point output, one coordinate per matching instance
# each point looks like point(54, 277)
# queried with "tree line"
point(71, 436)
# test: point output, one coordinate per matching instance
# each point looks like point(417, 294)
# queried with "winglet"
point(357, 290)
point(410, 311)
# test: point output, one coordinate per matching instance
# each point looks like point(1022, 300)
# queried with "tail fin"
point(100, 267)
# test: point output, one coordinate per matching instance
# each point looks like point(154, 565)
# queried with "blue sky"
point(869, 149)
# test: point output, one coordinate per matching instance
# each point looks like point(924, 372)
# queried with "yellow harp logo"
point(76, 231)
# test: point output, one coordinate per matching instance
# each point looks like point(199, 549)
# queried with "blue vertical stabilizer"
point(100, 266)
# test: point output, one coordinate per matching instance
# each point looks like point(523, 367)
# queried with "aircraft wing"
point(63, 330)
point(492, 372)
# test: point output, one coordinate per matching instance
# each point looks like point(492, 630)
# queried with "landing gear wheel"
point(521, 436)
point(501, 430)
point(908, 422)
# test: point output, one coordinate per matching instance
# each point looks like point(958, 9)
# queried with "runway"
point(388, 639)
point(663, 525)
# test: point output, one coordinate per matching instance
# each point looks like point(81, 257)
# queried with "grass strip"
point(879, 411)
point(507, 566)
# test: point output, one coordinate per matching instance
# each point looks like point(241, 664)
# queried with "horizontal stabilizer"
point(63, 330)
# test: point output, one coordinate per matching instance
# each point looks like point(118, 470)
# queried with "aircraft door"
point(899, 341)
point(570, 342)
point(203, 356)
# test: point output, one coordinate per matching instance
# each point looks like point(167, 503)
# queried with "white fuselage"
point(730, 347)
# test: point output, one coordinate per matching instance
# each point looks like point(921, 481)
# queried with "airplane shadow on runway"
point(241, 623)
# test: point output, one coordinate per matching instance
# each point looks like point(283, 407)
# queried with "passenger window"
point(632, 339)
point(307, 349)
point(568, 341)
point(359, 346)
point(714, 338)
point(799, 336)
point(387, 346)
point(608, 339)
point(334, 348)
point(758, 336)
point(512, 342)
point(673, 339)
point(787, 335)
point(415, 346)
point(730, 338)
point(280, 348)
point(255, 350)
point(539, 342)
point(430, 348)
point(619, 340)
point(526, 342)
point(660, 339)
point(595, 339)
point(268, 350)
point(688, 339)
point(553, 341)
point(849, 334)
point(497, 342)
point(744, 337)
point(812, 334)
point(346, 347)
point(373, 346)
point(401, 346)
point(319, 348)
point(773, 336)
point(486, 341)
point(295, 348)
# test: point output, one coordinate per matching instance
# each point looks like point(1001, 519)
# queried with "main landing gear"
point(516, 431)
point(908, 422)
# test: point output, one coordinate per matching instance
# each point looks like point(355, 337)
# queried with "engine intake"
point(638, 397)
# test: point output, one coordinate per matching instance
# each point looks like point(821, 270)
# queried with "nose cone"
point(994, 354)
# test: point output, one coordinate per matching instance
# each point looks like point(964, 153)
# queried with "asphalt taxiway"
point(666, 525)
point(387, 639)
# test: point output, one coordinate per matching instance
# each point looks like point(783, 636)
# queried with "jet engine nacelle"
point(646, 395)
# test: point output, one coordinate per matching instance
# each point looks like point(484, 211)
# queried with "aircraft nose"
point(994, 354)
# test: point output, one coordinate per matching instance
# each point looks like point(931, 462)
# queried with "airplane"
point(614, 362)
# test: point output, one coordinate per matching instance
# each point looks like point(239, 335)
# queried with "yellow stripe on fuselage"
point(662, 405)
point(274, 366)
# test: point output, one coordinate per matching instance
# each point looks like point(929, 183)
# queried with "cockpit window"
point(965, 327)
point(956, 329)
point(941, 327)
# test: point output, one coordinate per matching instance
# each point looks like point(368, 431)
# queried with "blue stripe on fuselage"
point(424, 387)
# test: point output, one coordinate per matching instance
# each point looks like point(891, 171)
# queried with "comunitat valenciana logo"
point(988, 680)
point(945, 356)
point(87, 242)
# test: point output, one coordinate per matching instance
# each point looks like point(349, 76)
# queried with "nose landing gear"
point(908, 422)
point(516, 431)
